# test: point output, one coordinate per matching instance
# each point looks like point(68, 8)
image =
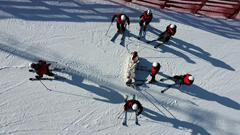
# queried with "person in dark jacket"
point(121, 19)
point(135, 105)
point(41, 68)
point(145, 17)
point(186, 79)
point(155, 69)
point(170, 31)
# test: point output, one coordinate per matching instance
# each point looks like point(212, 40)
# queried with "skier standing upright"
point(145, 17)
point(135, 105)
point(121, 19)
point(155, 69)
point(41, 68)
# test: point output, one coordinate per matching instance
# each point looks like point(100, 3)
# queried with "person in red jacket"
point(135, 105)
point(145, 17)
point(170, 31)
point(121, 19)
point(41, 68)
point(155, 69)
point(135, 57)
point(186, 79)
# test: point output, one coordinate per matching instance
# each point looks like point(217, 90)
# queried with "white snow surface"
point(89, 100)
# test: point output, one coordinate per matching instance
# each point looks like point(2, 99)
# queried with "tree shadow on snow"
point(181, 125)
point(199, 92)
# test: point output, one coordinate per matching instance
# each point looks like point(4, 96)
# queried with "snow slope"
point(72, 33)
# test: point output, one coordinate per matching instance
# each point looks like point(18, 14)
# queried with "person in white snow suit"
point(145, 17)
point(135, 105)
point(121, 19)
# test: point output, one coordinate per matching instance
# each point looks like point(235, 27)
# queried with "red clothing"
point(135, 56)
point(42, 69)
point(118, 16)
point(185, 80)
point(145, 17)
point(155, 70)
point(170, 32)
point(131, 102)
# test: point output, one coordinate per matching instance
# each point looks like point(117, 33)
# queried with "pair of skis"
point(125, 114)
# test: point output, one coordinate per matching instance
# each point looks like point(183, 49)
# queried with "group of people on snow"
point(42, 67)
point(145, 19)
point(171, 29)
point(186, 79)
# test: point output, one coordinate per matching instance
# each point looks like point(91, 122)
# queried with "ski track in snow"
point(16, 85)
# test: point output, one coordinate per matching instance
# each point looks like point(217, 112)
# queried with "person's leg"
point(122, 28)
point(118, 27)
point(145, 26)
point(141, 23)
point(161, 35)
point(177, 77)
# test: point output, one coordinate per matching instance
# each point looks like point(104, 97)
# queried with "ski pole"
point(152, 41)
point(121, 114)
point(44, 85)
point(108, 28)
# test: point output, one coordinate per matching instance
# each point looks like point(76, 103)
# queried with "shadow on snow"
point(181, 125)
point(77, 11)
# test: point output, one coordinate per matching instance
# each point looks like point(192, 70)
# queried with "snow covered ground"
point(72, 33)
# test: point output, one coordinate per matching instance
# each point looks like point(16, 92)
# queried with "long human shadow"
point(108, 94)
point(194, 50)
point(199, 92)
point(176, 123)
point(103, 90)
point(218, 26)
point(143, 64)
